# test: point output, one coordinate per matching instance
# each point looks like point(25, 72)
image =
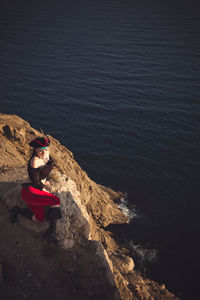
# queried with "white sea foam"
point(128, 210)
point(143, 254)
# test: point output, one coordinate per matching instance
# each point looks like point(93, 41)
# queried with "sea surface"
point(118, 83)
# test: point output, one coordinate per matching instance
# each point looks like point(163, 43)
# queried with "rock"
point(115, 196)
point(162, 286)
point(12, 196)
point(74, 226)
point(15, 154)
point(123, 263)
point(122, 285)
point(87, 208)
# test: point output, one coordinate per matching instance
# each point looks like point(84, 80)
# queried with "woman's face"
point(41, 153)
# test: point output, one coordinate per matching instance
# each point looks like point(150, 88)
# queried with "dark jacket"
point(37, 174)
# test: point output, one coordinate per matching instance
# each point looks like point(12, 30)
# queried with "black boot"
point(50, 234)
point(17, 210)
point(53, 215)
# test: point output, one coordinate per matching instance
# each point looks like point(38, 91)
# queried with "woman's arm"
point(34, 173)
point(35, 178)
point(45, 170)
point(39, 171)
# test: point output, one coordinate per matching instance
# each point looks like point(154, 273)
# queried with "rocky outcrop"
point(87, 209)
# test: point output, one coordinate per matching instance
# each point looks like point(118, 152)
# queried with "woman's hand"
point(47, 186)
point(47, 183)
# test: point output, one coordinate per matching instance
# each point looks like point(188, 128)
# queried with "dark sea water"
point(117, 82)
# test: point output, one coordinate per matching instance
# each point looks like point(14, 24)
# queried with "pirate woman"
point(34, 194)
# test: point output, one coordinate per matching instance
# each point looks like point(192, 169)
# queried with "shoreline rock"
point(87, 209)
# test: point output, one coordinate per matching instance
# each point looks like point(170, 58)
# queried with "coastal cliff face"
point(88, 263)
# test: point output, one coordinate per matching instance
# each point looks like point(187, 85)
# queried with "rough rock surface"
point(88, 264)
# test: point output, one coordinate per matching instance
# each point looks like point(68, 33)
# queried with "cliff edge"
point(88, 263)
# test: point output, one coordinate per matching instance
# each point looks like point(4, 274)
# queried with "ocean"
point(117, 83)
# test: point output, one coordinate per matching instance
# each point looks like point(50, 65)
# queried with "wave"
point(142, 255)
point(128, 209)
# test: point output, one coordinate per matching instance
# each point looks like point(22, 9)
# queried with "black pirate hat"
point(40, 142)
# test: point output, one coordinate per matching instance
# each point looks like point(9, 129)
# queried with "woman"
point(33, 193)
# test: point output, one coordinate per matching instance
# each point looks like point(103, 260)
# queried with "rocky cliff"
point(88, 263)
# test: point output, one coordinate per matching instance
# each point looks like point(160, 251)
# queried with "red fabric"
point(37, 200)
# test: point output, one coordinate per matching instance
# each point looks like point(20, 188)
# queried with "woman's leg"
point(37, 200)
point(17, 210)
point(39, 213)
point(53, 214)
point(36, 197)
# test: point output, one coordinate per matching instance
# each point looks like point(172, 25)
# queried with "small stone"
point(162, 286)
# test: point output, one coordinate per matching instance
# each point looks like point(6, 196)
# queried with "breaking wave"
point(142, 255)
point(129, 210)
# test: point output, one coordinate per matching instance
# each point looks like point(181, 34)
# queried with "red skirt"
point(37, 200)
